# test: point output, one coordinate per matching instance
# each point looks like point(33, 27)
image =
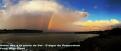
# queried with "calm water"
point(44, 38)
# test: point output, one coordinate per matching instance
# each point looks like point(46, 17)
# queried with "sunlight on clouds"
point(41, 6)
point(63, 20)
point(49, 15)
point(41, 14)
point(98, 24)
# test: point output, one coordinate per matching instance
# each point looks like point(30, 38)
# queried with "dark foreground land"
point(108, 40)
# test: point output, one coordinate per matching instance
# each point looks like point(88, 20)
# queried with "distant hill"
point(114, 31)
point(20, 31)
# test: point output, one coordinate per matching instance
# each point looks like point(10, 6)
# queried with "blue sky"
point(97, 9)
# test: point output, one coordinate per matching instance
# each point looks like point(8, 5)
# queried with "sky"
point(77, 15)
point(98, 9)
point(104, 9)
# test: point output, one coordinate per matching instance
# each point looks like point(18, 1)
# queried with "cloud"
point(63, 21)
point(49, 15)
point(42, 15)
point(90, 25)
